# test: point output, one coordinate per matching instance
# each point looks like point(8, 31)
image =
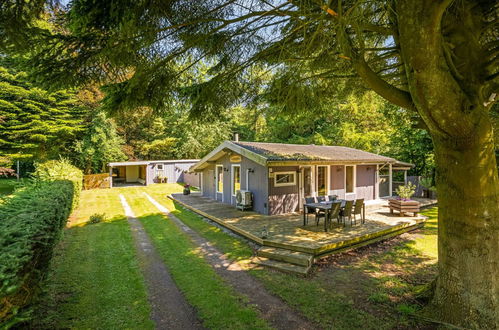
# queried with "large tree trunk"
point(467, 290)
point(467, 287)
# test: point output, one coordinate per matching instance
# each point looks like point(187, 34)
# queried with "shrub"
point(96, 218)
point(31, 222)
point(60, 170)
point(407, 191)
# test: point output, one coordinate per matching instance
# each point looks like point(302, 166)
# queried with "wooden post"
point(405, 176)
point(390, 180)
point(110, 176)
point(376, 182)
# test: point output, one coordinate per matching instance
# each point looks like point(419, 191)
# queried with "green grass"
point(95, 281)
point(218, 305)
point(376, 290)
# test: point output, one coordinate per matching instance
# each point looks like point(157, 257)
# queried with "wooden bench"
point(404, 207)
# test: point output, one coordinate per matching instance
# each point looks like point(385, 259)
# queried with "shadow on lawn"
point(373, 287)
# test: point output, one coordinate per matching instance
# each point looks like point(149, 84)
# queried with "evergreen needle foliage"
point(31, 221)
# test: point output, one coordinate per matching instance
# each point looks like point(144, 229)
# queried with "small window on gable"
point(282, 179)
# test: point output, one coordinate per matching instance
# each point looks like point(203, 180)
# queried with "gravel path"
point(272, 308)
point(170, 310)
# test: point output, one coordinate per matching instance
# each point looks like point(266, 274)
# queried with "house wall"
point(174, 172)
point(283, 199)
point(257, 182)
point(337, 185)
point(364, 187)
point(209, 182)
point(132, 173)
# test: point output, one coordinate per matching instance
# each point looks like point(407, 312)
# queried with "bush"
point(407, 191)
point(96, 218)
point(60, 170)
point(31, 222)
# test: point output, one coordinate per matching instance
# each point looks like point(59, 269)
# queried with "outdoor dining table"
point(326, 206)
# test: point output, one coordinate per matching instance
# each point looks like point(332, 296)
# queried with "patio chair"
point(309, 210)
point(357, 210)
point(334, 212)
point(332, 198)
point(346, 213)
point(321, 199)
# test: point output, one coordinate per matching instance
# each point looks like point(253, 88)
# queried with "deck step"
point(281, 265)
point(292, 257)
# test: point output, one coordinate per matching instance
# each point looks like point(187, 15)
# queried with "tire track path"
point(272, 308)
point(170, 310)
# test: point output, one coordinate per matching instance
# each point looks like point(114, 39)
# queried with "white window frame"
point(354, 180)
point(219, 169)
point(232, 186)
point(284, 184)
point(328, 179)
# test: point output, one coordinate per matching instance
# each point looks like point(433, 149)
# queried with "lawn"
point(95, 282)
point(218, 305)
point(375, 287)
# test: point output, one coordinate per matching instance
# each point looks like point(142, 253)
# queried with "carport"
point(128, 173)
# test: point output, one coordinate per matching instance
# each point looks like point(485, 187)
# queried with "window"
point(322, 181)
point(282, 179)
point(350, 179)
point(160, 173)
point(220, 178)
point(236, 179)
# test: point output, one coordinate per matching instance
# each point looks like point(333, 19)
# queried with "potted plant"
point(187, 189)
point(161, 178)
point(403, 202)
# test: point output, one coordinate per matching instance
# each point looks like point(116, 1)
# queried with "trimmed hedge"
point(31, 222)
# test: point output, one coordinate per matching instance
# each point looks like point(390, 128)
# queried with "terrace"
point(287, 235)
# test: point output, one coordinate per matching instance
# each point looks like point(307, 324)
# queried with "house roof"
point(147, 162)
point(280, 154)
point(284, 152)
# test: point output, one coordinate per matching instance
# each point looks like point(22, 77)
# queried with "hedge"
point(31, 222)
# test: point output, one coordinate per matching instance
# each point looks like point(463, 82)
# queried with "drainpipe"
point(247, 178)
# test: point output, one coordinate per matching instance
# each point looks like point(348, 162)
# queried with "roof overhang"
point(227, 147)
point(322, 162)
point(129, 163)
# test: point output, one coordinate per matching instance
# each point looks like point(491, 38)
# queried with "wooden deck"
point(287, 231)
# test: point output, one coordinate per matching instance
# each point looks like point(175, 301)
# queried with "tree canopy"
point(437, 59)
point(35, 123)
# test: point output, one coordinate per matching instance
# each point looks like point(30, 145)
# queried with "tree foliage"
point(436, 59)
point(35, 123)
point(99, 145)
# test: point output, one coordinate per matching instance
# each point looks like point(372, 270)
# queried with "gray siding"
point(283, 199)
point(365, 181)
point(174, 172)
point(337, 185)
point(257, 182)
point(209, 182)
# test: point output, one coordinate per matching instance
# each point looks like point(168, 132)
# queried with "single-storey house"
point(281, 175)
point(147, 172)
